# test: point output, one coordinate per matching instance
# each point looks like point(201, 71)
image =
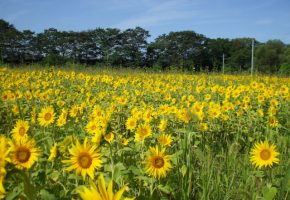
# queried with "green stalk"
point(112, 161)
point(29, 189)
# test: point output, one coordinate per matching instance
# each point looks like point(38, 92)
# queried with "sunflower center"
point(108, 136)
point(164, 140)
point(85, 160)
point(93, 127)
point(47, 116)
point(124, 141)
point(265, 154)
point(143, 132)
point(22, 131)
point(23, 154)
point(158, 162)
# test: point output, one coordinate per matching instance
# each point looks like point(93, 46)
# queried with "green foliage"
point(186, 50)
point(269, 56)
point(285, 69)
point(269, 192)
point(53, 59)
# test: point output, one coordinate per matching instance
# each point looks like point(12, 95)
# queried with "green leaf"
point(73, 176)
point(196, 143)
point(165, 189)
point(199, 154)
point(135, 170)
point(117, 170)
point(45, 195)
point(174, 157)
point(286, 181)
point(126, 149)
point(259, 174)
point(183, 170)
point(15, 192)
point(54, 175)
point(269, 192)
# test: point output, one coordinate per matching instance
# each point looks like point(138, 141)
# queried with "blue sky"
point(261, 19)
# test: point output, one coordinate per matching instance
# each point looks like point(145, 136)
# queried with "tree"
point(218, 47)
point(269, 56)
point(9, 44)
point(184, 49)
point(110, 43)
point(27, 43)
point(240, 54)
point(133, 46)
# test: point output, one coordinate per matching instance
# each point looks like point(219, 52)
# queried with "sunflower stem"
point(151, 188)
point(112, 161)
point(142, 152)
point(270, 175)
point(76, 182)
point(258, 184)
point(19, 108)
point(29, 189)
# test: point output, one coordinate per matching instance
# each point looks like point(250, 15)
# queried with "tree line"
point(183, 50)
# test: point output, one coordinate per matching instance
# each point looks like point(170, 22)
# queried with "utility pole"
point(252, 60)
point(223, 63)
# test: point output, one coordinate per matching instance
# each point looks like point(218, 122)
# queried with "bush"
point(284, 69)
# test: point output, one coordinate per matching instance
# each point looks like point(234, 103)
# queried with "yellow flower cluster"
point(89, 122)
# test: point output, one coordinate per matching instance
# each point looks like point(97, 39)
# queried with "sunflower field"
point(111, 135)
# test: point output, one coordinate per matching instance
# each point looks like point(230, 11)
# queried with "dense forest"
point(183, 50)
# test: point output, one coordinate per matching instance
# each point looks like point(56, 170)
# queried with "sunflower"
point(264, 155)
point(97, 138)
point(33, 115)
point(53, 152)
point(163, 125)
point(61, 121)
point(143, 131)
point(124, 141)
point(214, 112)
point(260, 112)
point(20, 129)
point(284, 89)
point(157, 162)
point(203, 127)
point(46, 116)
point(184, 115)
point(100, 192)
point(92, 127)
point(74, 111)
point(109, 137)
point(131, 123)
point(4, 151)
point(84, 159)
point(261, 98)
point(273, 121)
point(165, 139)
point(274, 102)
point(207, 97)
point(24, 152)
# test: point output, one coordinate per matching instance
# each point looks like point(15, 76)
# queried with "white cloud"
point(158, 13)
